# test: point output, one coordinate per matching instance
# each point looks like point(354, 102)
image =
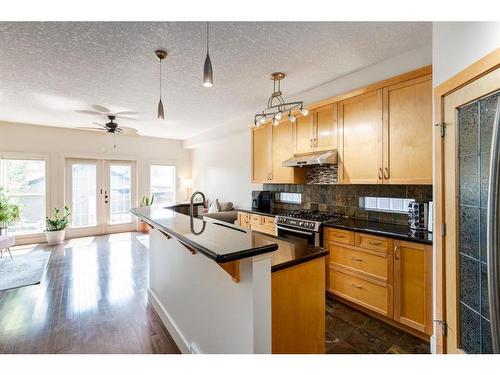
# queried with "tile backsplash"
point(345, 199)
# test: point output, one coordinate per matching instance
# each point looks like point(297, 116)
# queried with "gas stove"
point(308, 220)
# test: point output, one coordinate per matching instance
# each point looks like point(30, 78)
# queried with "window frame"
point(164, 163)
point(36, 236)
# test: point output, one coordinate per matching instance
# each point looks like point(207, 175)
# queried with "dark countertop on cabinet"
point(396, 231)
point(224, 242)
point(257, 211)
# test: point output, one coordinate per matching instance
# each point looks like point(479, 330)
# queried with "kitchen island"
point(219, 288)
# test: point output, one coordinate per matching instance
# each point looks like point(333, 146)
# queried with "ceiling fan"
point(111, 127)
point(101, 110)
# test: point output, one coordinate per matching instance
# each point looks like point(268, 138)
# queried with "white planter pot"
point(55, 237)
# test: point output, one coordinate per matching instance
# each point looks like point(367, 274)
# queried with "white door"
point(100, 194)
point(119, 196)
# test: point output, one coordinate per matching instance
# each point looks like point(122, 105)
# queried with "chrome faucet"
point(191, 202)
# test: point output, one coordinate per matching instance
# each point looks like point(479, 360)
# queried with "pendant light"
point(208, 80)
point(161, 113)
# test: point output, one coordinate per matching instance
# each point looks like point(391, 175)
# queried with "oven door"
point(300, 235)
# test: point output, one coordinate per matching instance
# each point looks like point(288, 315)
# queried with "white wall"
point(221, 159)
point(58, 143)
point(456, 45)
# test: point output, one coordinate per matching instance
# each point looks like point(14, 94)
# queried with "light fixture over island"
point(219, 288)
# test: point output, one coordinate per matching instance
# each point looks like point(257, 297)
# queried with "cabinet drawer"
point(368, 241)
point(263, 229)
point(339, 235)
point(369, 264)
point(268, 221)
point(370, 295)
point(255, 219)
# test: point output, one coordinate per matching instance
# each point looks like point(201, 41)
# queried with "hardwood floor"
point(92, 299)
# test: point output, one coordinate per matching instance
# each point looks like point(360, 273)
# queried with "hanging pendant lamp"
point(161, 112)
point(208, 80)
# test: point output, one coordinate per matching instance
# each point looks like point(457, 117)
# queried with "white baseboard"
point(169, 323)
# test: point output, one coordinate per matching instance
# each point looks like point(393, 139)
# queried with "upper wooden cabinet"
point(387, 135)
point(408, 132)
point(271, 146)
point(360, 119)
point(317, 131)
point(261, 154)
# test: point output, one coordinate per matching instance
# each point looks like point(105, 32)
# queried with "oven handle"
point(294, 230)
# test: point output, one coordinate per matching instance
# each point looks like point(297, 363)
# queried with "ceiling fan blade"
point(87, 112)
point(101, 109)
point(102, 126)
point(126, 113)
point(90, 128)
point(128, 131)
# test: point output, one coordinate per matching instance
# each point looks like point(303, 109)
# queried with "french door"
point(100, 194)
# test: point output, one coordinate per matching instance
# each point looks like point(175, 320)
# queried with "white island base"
point(203, 308)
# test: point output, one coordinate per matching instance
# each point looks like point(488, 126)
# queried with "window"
point(84, 193)
point(24, 181)
point(162, 184)
point(385, 204)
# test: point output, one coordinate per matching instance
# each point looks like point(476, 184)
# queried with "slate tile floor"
point(349, 331)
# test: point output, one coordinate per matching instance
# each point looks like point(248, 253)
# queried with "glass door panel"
point(120, 194)
point(83, 195)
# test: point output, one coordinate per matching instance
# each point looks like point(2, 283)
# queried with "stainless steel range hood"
point(316, 158)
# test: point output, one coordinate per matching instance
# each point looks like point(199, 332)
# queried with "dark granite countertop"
point(224, 242)
point(257, 211)
point(400, 232)
point(290, 252)
point(219, 241)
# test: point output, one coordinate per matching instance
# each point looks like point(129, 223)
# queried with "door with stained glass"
point(469, 116)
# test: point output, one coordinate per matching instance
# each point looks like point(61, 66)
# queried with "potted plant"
point(9, 213)
point(146, 201)
point(56, 226)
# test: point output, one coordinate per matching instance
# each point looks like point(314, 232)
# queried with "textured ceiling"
point(49, 71)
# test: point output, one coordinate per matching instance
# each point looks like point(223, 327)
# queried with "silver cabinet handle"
point(356, 286)
point(356, 259)
point(493, 234)
point(380, 173)
point(386, 173)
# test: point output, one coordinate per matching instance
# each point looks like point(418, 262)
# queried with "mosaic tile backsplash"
point(345, 199)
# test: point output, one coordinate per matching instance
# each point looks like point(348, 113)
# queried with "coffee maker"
point(261, 200)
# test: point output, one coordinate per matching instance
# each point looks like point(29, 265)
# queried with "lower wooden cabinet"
point(389, 277)
point(259, 223)
point(413, 285)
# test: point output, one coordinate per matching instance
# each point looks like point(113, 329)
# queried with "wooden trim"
point(481, 67)
point(233, 269)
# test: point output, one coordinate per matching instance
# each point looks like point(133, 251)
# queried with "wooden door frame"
point(478, 69)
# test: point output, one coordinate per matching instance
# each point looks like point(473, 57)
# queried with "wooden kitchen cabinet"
point(413, 285)
point(391, 278)
point(304, 127)
point(261, 154)
point(282, 149)
point(325, 121)
point(360, 119)
point(317, 131)
point(244, 219)
point(271, 146)
point(408, 132)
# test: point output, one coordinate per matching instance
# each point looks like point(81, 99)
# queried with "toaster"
point(418, 215)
